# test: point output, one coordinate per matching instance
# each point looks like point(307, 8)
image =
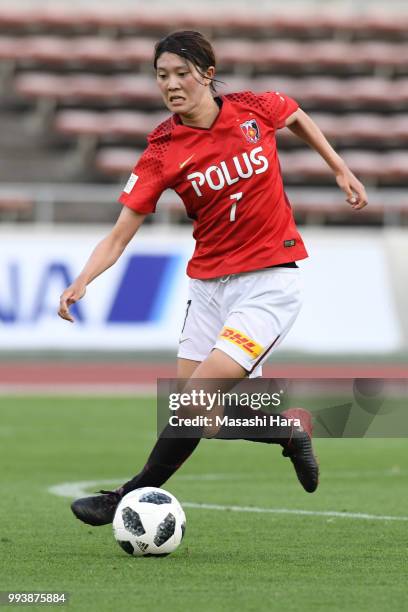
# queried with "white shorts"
point(244, 315)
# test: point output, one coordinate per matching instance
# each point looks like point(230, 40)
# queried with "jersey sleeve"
point(278, 107)
point(146, 182)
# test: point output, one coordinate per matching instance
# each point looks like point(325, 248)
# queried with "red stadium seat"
point(80, 122)
point(358, 127)
point(10, 48)
point(12, 17)
point(300, 164)
point(302, 21)
point(129, 123)
point(364, 126)
point(369, 90)
point(136, 50)
point(134, 124)
point(381, 53)
point(90, 86)
point(123, 123)
point(368, 164)
point(41, 85)
point(83, 49)
point(93, 49)
point(343, 93)
point(398, 127)
point(230, 52)
point(115, 161)
point(396, 165)
point(86, 86)
point(283, 53)
point(296, 166)
point(385, 21)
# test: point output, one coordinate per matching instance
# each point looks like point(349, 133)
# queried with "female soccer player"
point(219, 154)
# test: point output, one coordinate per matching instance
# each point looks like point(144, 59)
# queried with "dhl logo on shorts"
point(246, 344)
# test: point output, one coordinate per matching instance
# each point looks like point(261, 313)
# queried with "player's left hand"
point(354, 190)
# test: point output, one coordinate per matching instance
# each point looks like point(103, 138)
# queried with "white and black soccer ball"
point(149, 521)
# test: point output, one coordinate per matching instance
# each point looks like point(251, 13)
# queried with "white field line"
point(81, 488)
point(329, 513)
point(86, 487)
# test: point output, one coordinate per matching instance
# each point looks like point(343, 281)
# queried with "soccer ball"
point(149, 521)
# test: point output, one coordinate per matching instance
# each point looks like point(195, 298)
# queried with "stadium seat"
point(80, 122)
point(354, 127)
point(303, 21)
point(383, 131)
point(295, 165)
point(385, 22)
point(282, 54)
point(379, 91)
point(370, 165)
point(397, 166)
point(118, 88)
point(86, 73)
point(13, 17)
point(230, 52)
point(86, 86)
point(116, 161)
point(379, 54)
point(124, 123)
point(10, 48)
point(364, 126)
point(398, 127)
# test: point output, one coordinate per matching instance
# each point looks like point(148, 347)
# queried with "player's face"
point(183, 88)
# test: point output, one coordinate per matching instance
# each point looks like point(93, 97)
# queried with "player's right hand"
point(71, 295)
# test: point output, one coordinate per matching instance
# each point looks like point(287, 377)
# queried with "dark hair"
point(190, 45)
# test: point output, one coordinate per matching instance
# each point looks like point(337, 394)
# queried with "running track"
point(84, 375)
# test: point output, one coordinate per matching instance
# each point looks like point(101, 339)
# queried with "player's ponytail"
point(190, 45)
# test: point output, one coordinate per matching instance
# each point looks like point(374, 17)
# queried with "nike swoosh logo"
point(186, 161)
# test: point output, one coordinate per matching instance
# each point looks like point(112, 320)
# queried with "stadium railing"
point(49, 203)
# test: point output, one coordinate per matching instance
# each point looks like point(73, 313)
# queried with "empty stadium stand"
point(78, 98)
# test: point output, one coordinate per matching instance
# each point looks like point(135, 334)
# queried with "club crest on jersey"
point(251, 130)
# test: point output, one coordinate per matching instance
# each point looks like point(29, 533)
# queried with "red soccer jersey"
point(229, 179)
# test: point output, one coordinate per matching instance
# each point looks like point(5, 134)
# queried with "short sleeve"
point(278, 107)
point(146, 182)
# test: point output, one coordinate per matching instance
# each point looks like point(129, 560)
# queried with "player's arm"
point(305, 128)
point(105, 254)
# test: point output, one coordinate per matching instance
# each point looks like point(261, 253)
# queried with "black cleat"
point(300, 451)
point(97, 510)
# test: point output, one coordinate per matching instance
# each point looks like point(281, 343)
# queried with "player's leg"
point(200, 327)
point(168, 453)
point(186, 367)
point(262, 308)
point(230, 360)
point(198, 334)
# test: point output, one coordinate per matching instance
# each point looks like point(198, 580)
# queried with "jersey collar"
point(222, 103)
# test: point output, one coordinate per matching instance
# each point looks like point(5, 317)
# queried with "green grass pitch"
point(246, 561)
